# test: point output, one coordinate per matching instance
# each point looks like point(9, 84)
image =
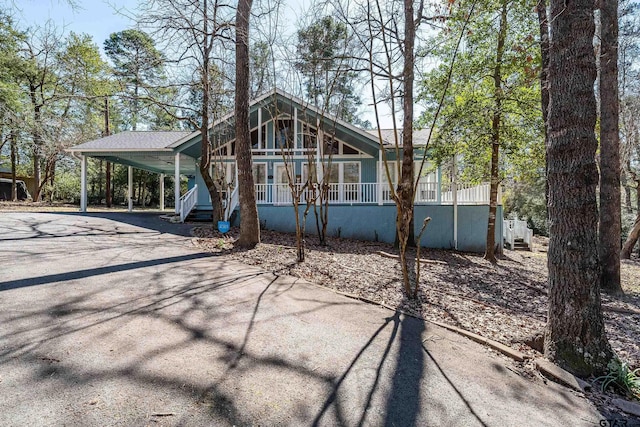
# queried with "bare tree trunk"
point(405, 186)
point(575, 337)
point(37, 143)
point(13, 145)
point(610, 203)
point(632, 239)
point(543, 23)
point(205, 152)
point(627, 191)
point(249, 224)
point(495, 137)
point(634, 234)
point(100, 168)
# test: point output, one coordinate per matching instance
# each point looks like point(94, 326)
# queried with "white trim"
point(295, 128)
point(118, 150)
point(259, 128)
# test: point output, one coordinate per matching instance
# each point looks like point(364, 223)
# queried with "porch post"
point(83, 183)
point(130, 188)
point(162, 192)
point(439, 185)
point(454, 194)
point(176, 183)
point(295, 128)
point(380, 175)
point(260, 128)
point(319, 154)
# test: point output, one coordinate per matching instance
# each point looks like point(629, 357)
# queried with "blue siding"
point(472, 226)
point(377, 223)
point(369, 172)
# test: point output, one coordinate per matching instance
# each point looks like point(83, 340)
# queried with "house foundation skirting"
point(378, 223)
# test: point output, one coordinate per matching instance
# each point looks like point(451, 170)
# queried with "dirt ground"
point(506, 302)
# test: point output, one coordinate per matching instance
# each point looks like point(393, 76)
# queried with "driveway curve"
point(115, 319)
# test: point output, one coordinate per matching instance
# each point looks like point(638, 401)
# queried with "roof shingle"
point(133, 140)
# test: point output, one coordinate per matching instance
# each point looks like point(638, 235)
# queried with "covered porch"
point(148, 151)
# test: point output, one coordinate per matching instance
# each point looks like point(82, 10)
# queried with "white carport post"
point(130, 188)
point(83, 183)
point(161, 191)
point(176, 183)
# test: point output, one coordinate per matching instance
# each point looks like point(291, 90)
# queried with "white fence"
point(372, 193)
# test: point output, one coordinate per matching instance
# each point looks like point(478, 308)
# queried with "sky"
point(100, 18)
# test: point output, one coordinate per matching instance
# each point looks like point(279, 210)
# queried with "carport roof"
point(133, 141)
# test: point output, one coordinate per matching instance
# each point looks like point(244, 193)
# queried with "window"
point(309, 136)
point(260, 180)
point(309, 173)
point(346, 149)
point(259, 173)
point(284, 134)
point(330, 146)
point(351, 173)
point(259, 143)
point(351, 179)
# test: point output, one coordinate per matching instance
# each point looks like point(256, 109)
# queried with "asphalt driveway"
point(115, 319)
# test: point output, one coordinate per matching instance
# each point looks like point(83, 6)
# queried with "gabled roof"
point(133, 141)
point(275, 100)
point(284, 103)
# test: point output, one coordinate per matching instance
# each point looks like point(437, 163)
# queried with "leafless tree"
point(198, 33)
point(387, 33)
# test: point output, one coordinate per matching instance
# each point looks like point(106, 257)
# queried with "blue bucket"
point(223, 226)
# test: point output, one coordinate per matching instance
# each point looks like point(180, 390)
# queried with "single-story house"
point(295, 142)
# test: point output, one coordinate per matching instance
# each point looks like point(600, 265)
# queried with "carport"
point(161, 152)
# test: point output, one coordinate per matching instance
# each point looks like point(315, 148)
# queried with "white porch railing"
point(515, 229)
point(468, 194)
point(188, 202)
point(367, 193)
point(232, 203)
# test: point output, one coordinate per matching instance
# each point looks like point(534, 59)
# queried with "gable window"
point(330, 146)
point(347, 149)
point(309, 136)
point(284, 134)
point(258, 144)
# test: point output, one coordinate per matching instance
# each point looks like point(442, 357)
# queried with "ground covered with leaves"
point(506, 302)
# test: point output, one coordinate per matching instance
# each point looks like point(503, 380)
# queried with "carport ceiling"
point(152, 161)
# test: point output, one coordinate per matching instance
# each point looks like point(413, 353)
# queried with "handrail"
point(233, 202)
point(517, 229)
point(188, 202)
